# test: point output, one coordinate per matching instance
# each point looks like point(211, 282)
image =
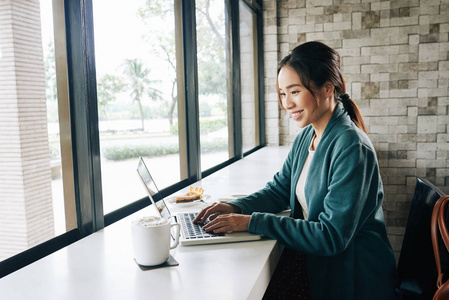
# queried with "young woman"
point(331, 182)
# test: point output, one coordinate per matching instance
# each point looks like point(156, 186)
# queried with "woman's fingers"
point(213, 211)
point(204, 214)
point(218, 227)
point(200, 215)
point(216, 222)
point(228, 222)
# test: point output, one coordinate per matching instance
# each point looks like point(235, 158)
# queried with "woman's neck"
point(320, 125)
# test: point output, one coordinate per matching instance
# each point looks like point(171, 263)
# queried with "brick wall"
point(26, 211)
point(395, 59)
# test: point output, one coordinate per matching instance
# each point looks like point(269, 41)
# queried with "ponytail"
point(353, 111)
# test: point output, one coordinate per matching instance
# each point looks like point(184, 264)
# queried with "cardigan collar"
point(337, 116)
point(338, 113)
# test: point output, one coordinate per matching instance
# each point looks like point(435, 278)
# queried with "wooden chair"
point(417, 273)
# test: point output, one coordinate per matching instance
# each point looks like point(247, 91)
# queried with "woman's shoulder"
point(347, 134)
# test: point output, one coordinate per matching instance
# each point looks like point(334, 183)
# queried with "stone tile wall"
point(395, 59)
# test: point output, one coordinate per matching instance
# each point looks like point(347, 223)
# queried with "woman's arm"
point(234, 215)
point(352, 196)
point(275, 197)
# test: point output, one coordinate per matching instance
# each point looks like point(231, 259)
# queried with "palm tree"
point(139, 83)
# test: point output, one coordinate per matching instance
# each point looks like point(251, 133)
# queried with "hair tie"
point(344, 97)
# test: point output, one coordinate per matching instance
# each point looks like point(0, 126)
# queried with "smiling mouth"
point(296, 114)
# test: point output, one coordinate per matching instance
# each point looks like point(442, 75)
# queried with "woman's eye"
point(282, 95)
point(295, 92)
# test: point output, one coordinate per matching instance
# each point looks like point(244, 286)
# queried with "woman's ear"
point(328, 89)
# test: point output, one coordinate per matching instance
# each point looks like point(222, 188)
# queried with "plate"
point(195, 202)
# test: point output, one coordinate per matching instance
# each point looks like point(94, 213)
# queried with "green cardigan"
point(348, 252)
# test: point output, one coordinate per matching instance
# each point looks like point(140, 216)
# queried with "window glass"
point(137, 96)
point(32, 207)
point(213, 82)
point(249, 86)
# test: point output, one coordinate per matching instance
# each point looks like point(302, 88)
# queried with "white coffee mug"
point(152, 240)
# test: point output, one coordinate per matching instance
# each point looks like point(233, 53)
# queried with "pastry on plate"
point(195, 193)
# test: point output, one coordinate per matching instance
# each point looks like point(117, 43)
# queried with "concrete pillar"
point(26, 211)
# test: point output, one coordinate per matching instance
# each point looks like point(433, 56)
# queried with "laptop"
point(191, 234)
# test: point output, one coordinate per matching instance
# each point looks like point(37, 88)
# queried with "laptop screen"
point(152, 190)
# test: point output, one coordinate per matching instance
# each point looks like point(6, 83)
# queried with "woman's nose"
point(287, 102)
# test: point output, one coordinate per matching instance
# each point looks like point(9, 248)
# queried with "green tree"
point(108, 87)
point(211, 51)
point(211, 47)
point(161, 42)
point(167, 47)
point(137, 80)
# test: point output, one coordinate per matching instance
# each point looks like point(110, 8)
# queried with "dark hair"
point(316, 63)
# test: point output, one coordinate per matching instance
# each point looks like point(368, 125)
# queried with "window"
point(79, 108)
point(36, 183)
point(137, 96)
point(214, 80)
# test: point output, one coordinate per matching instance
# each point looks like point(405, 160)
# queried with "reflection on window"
point(31, 189)
point(213, 82)
point(249, 71)
point(137, 96)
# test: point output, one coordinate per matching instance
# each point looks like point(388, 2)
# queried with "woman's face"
point(299, 102)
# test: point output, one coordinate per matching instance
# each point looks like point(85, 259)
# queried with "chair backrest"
point(416, 266)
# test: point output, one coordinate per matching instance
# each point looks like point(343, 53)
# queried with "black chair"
point(417, 272)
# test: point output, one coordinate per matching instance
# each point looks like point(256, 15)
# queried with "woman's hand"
point(228, 222)
point(214, 211)
point(223, 218)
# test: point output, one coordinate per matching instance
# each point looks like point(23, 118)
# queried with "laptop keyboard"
point(191, 230)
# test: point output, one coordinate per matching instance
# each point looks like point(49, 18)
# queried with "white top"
point(300, 186)
point(101, 265)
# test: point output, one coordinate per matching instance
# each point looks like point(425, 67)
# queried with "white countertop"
point(101, 266)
